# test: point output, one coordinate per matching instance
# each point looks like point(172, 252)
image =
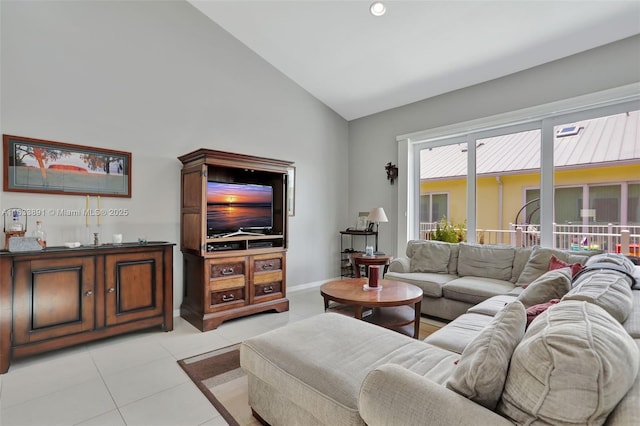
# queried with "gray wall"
point(606, 67)
point(159, 79)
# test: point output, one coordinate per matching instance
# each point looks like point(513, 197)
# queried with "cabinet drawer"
point(266, 265)
point(228, 298)
point(227, 269)
point(227, 283)
point(268, 289)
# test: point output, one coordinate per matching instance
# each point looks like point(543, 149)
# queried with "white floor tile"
point(135, 383)
point(131, 380)
point(110, 418)
point(182, 405)
point(66, 407)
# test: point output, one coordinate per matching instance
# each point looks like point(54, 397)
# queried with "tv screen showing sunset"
point(232, 206)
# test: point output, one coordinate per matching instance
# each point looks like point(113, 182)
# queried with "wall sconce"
point(392, 171)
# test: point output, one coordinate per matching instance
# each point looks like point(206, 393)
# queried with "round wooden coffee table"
point(395, 306)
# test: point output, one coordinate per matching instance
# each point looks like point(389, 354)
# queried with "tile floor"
point(132, 379)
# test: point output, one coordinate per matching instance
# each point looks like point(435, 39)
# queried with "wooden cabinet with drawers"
point(61, 297)
point(231, 276)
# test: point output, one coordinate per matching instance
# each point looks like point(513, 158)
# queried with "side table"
point(358, 259)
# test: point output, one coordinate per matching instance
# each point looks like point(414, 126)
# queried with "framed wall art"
point(34, 165)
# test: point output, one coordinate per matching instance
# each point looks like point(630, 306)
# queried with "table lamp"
point(376, 216)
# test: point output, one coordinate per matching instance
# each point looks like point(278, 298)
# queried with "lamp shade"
point(377, 215)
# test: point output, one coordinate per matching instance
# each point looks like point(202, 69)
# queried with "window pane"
point(604, 202)
point(568, 204)
point(505, 166)
point(633, 206)
point(443, 186)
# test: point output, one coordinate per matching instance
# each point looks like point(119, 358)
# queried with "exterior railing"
point(608, 238)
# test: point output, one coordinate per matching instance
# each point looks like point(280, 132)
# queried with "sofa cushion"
point(520, 259)
point(430, 283)
point(457, 335)
point(492, 305)
point(551, 285)
point(430, 256)
point(608, 289)
point(632, 323)
point(475, 289)
point(482, 369)
point(539, 260)
point(487, 261)
point(574, 364)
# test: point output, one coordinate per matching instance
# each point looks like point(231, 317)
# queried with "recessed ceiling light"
point(377, 8)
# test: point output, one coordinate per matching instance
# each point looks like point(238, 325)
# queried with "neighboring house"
point(597, 176)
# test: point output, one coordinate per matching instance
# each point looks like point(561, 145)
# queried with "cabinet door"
point(52, 298)
point(267, 277)
point(133, 286)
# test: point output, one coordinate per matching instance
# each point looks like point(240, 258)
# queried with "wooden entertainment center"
point(225, 275)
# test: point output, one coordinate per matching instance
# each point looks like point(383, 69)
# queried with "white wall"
point(159, 79)
point(372, 139)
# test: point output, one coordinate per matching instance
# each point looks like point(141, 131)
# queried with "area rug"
point(219, 377)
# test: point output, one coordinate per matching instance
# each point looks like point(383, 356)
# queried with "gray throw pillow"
point(482, 369)
point(487, 261)
point(550, 285)
point(538, 263)
point(430, 256)
point(573, 366)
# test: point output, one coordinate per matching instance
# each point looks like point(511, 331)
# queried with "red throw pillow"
point(556, 263)
point(535, 310)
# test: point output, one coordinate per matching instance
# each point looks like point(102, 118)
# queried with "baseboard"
point(307, 286)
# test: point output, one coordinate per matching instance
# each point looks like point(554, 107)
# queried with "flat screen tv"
point(237, 207)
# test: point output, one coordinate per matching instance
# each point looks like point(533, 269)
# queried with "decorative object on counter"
point(15, 224)
point(376, 216)
point(18, 244)
point(392, 172)
point(34, 165)
point(96, 238)
point(368, 251)
point(142, 240)
point(117, 238)
point(361, 223)
point(374, 275)
point(40, 235)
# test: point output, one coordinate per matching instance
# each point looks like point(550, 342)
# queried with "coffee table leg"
point(416, 323)
point(326, 304)
point(358, 312)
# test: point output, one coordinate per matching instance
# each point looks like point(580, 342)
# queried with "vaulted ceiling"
point(358, 64)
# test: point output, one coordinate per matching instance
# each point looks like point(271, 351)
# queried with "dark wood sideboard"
point(60, 297)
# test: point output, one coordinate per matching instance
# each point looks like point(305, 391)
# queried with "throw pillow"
point(608, 289)
point(534, 311)
point(483, 365)
point(485, 260)
point(430, 256)
point(539, 260)
point(551, 285)
point(556, 263)
point(573, 366)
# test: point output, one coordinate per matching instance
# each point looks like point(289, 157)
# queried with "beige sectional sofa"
point(576, 363)
point(455, 277)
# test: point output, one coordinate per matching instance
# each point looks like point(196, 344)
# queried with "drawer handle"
point(267, 266)
point(228, 298)
point(227, 271)
point(111, 290)
point(268, 289)
point(88, 293)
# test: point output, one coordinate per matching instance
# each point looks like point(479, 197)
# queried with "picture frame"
point(41, 166)
point(362, 221)
point(291, 191)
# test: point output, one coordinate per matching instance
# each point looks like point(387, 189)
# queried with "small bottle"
point(40, 234)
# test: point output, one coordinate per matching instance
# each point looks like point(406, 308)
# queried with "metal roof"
point(604, 140)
